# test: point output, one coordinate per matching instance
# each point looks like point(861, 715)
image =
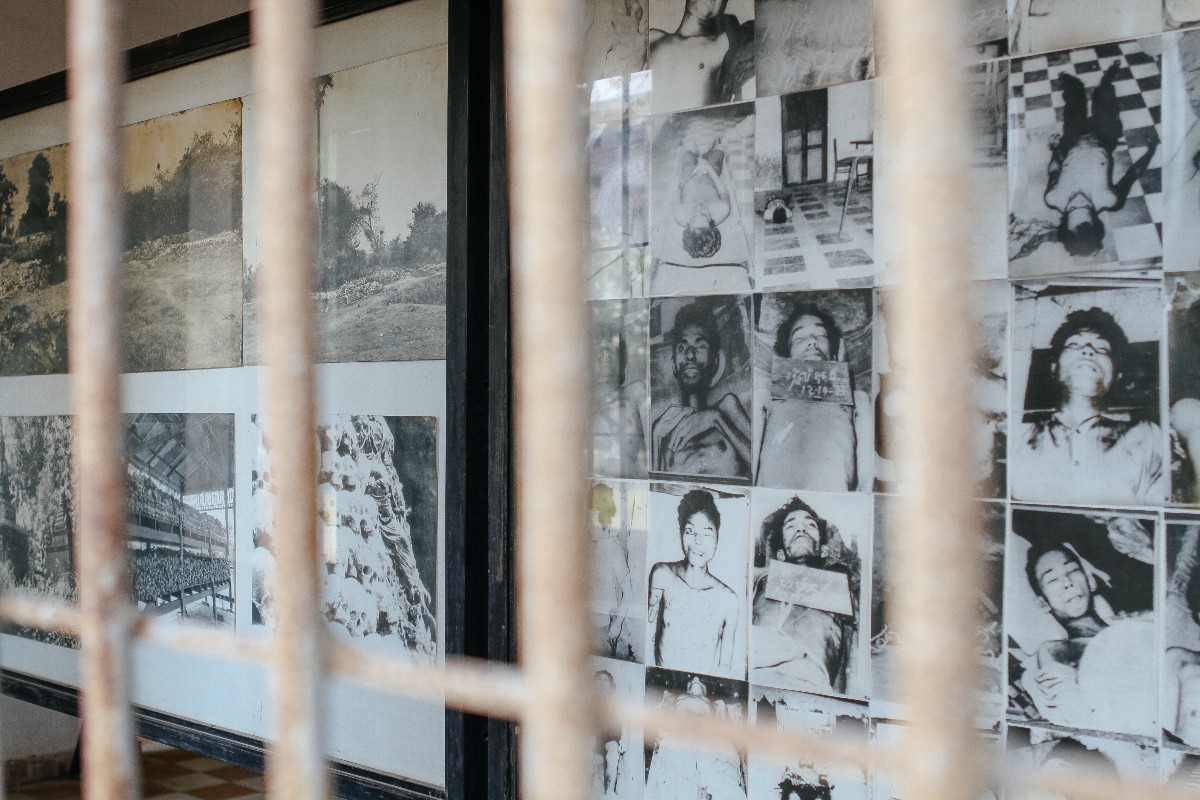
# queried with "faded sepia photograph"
point(700, 388)
point(1080, 620)
point(676, 767)
point(380, 291)
point(378, 515)
point(33, 263)
point(620, 524)
point(620, 342)
point(807, 44)
point(813, 376)
point(814, 188)
point(702, 201)
point(1085, 177)
point(696, 558)
point(807, 584)
point(183, 239)
point(802, 777)
point(701, 52)
point(1086, 393)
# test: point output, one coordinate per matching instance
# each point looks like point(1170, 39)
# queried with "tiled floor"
point(167, 774)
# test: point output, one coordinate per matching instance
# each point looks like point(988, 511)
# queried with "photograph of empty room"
point(813, 195)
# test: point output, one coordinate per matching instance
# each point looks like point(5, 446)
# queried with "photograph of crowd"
point(1080, 620)
point(807, 591)
point(813, 377)
point(378, 515)
point(696, 555)
point(619, 516)
point(678, 769)
point(700, 388)
point(702, 201)
point(620, 400)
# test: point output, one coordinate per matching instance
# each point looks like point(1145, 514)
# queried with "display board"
point(199, 474)
point(744, 397)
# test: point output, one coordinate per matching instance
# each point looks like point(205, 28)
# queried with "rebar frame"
point(936, 566)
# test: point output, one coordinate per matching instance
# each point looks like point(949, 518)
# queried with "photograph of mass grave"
point(813, 200)
point(183, 239)
point(33, 263)
point(377, 498)
point(179, 513)
point(380, 292)
point(1085, 167)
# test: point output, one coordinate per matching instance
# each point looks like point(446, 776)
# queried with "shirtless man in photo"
point(693, 615)
point(708, 59)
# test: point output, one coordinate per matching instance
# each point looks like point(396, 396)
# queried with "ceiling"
point(33, 41)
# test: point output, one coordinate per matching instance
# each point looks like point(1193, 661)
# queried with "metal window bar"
point(550, 694)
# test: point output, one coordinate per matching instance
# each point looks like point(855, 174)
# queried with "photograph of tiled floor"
point(167, 774)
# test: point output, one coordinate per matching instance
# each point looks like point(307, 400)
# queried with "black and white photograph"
point(1080, 620)
point(700, 388)
point(1086, 391)
point(885, 642)
point(678, 768)
point(986, 24)
point(987, 87)
point(807, 44)
point(1063, 755)
point(701, 52)
point(1183, 378)
point(620, 525)
point(380, 292)
point(619, 168)
point(180, 516)
point(617, 272)
point(1085, 173)
point(696, 556)
point(814, 188)
point(614, 41)
point(378, 519)
point(1181, 150)
point(620, 397)
point(183, 240)
point(1035, 26)
point(813, 377)
point(619, 757)
point(702, 201)
point(989, 382)
point(808, 580)
point(1180, 13)
point(33, 263)
point(802, 777)
point(1181, 636)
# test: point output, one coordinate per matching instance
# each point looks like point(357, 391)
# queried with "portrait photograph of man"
point(813, 376)
point(696, 554)
point(702, 201)
point(700, 388)
point(1080, 619)
point(1086, 370)
point(807, 591)
point(803, 777)
point(701, 52)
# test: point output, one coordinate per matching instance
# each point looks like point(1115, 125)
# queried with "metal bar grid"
point(550, 693)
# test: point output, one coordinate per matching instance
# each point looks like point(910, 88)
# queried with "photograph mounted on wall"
point(380, 291)
point(807, 44)
point(33, 263)
point(183, 240)
point(378, 515)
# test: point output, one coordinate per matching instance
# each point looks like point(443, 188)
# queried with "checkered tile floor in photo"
point(807, 250)
point(1035, 101)
point(167, 774)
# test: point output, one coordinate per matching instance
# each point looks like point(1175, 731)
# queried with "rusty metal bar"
point(95, 73)
point(286, 147)
point(546, 134)
point(935, 570)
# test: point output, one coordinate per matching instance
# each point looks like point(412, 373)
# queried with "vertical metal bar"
point(546, 134)
point(286, 147)
point(935, 572)
point(95, 73)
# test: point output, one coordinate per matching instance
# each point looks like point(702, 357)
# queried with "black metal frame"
point(480, 753)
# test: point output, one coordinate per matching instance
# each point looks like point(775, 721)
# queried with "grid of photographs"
point(745, 484)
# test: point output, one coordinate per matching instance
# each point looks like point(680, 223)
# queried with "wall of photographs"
point(744, 486)
point(199, 533)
